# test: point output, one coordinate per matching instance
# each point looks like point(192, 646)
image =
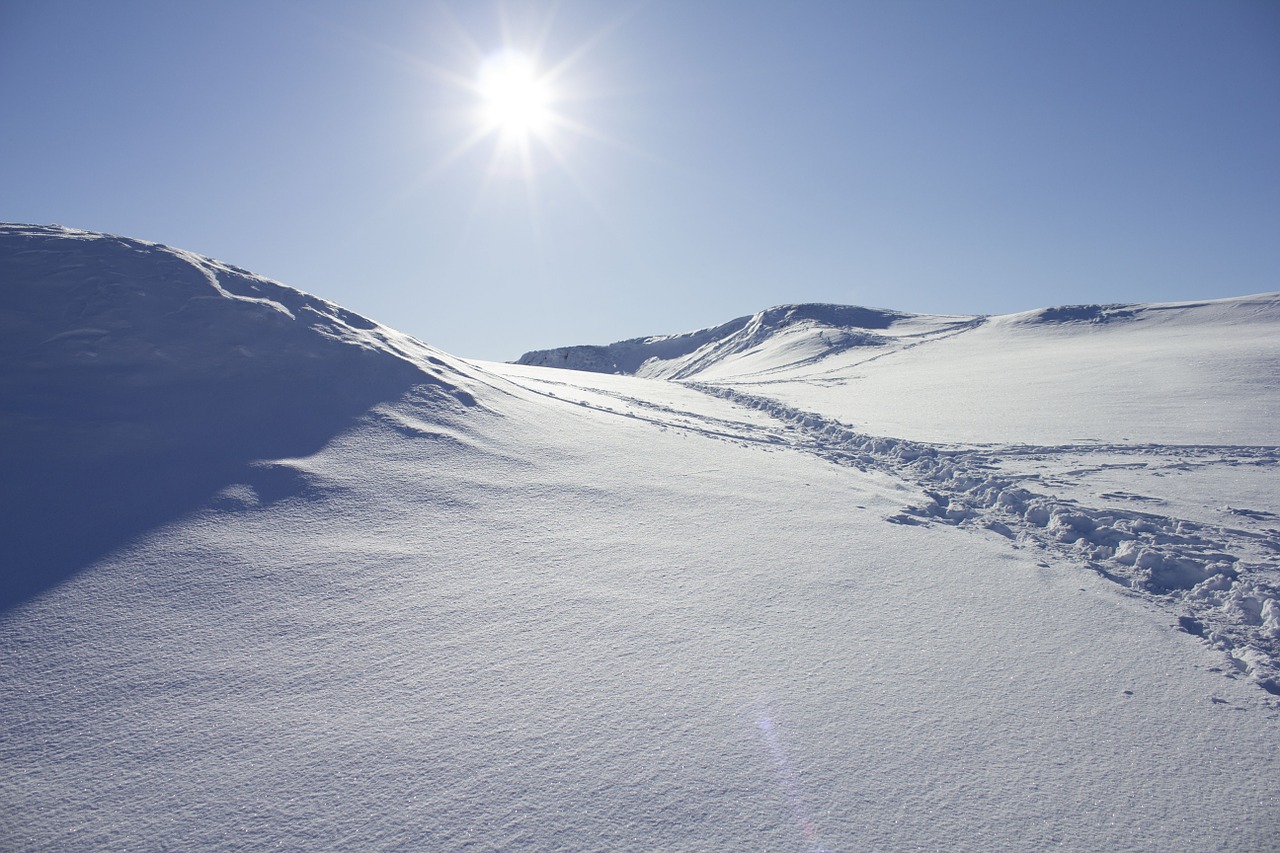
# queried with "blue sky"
point(712, 158)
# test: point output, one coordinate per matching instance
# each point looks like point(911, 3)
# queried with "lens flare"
point(789, 781)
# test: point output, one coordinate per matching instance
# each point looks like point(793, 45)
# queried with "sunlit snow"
point(824, 578)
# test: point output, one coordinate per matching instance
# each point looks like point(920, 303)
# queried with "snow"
point(794, 334)
point(501, 607)
point(1193, 376)
point(1175, 373)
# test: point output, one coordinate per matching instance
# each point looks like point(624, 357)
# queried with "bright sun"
point(523, 105)
point(516, 100)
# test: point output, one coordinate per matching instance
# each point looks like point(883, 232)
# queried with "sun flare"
point(516, 101)
point(522, 104)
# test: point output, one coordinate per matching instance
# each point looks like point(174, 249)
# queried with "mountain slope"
point(1175, 373)
point(785, 335)
point(501, 607)
point(1189, 373)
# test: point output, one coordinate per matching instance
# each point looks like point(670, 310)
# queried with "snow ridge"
point(138, 379)
point(1222, 583)
point(812, 331)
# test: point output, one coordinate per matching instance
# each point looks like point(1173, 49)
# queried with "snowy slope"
point(1191, 373)
point(139, 378)
point(1177, 373)
point(786, 336)
point(505, 608)
point(1140, 439)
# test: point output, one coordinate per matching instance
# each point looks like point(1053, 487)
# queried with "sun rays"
point(510, 113)
point(527, 100)
point(514, 98)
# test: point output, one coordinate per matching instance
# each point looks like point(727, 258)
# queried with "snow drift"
point(139, 379)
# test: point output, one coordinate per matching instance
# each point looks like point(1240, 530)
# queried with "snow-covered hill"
point(785, 336)
point(138, 379)
point(1174, 373)
point(279, 577)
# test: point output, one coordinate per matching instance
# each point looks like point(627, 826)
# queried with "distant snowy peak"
point(799, 340)
point(786, 334)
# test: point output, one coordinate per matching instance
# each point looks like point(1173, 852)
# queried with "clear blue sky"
point(712, 158)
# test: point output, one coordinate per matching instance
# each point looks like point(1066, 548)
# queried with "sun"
point(518, 100)
point(515, 100)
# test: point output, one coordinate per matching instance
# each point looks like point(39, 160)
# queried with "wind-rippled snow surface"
point(488, 607)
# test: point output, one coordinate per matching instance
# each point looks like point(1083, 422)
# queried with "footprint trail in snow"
point(1222, 583)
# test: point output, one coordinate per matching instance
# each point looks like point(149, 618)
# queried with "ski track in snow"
point(1219, 583)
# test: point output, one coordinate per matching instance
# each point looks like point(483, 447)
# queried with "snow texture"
point(138, 379)
point(276, 576)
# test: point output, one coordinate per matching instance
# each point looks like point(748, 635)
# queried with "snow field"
point(421, 603)
point(1223, 580)
point(689, 645)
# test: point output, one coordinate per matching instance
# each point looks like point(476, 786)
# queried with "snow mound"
point(137, 379)
point(783, 335)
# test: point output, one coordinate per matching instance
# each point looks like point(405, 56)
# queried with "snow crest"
point(808, 332)
point(138, 379)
